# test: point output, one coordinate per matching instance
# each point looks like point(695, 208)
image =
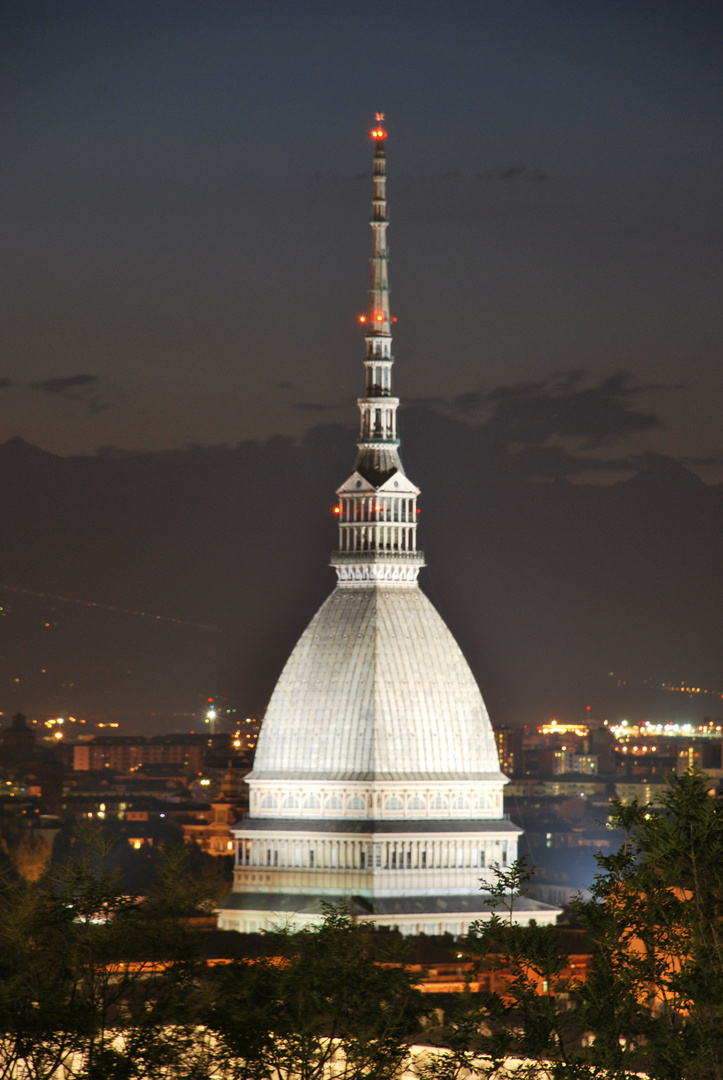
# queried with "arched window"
point(439, 802)
point(355, 802)
point(333, 802)
point(290, 803)
point(311, 803)
point(393, 803)
point(461, 802)
point(269, 802)
point(416, 803)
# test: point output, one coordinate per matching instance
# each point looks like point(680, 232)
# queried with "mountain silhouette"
point(134, 586)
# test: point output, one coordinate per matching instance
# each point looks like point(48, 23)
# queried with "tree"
point(99, 982)
point(322, 997)
point(652, 998)
point(101, 985)
point(110, 986)
point(36, 1029)
point(654, 995)
point(526, 1014)
point(29, 852)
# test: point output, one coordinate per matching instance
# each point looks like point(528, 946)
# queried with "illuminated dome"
point(377, 689)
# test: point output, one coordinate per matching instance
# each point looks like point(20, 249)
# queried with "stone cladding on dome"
point(377, 689)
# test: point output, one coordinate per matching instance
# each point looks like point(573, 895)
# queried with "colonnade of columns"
point(379, 376)
point(377, 538)
point(378, 523)
point(367, 855)
point(378, 422)
point(377, 508)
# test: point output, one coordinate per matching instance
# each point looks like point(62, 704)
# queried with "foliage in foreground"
point(81, 962)
point(322, 1000)
point(100, 985)
point(110, 986)
point(652, 999)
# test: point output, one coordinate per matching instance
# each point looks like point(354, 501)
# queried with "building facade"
point(376, 778)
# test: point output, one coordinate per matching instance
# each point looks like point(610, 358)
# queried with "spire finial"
point(377, 509)
point(379, 133)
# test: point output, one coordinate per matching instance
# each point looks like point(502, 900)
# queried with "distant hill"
point(548, 587)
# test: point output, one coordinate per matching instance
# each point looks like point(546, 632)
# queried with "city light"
point(686, 730)
point(554, 728)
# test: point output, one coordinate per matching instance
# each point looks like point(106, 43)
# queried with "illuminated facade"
point(509, 749)
point(376, 777)
point(212, 832)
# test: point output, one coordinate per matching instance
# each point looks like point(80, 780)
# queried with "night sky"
point(184, 253)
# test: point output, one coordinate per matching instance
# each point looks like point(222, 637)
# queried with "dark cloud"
point(547, 427)
point(467, 406)
point(452, 174)
point(701, 460)
point(82, 388)
point(72, 386)
point(514, 172)
point(532, 413)
point(284, 386)
point(561, 406)
point(551, 461)
point(469, 403)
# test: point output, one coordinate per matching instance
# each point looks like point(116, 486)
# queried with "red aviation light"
point(337, 509)
point(379, 134)
point(380, 318)
point(362, 318)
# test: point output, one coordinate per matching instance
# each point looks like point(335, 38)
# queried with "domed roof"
point(376, 688)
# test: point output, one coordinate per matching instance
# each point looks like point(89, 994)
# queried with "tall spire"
point(378, 315)
point(378, 442)
point(378, 505)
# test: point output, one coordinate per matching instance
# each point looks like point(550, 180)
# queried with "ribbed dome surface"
point(376, 688)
